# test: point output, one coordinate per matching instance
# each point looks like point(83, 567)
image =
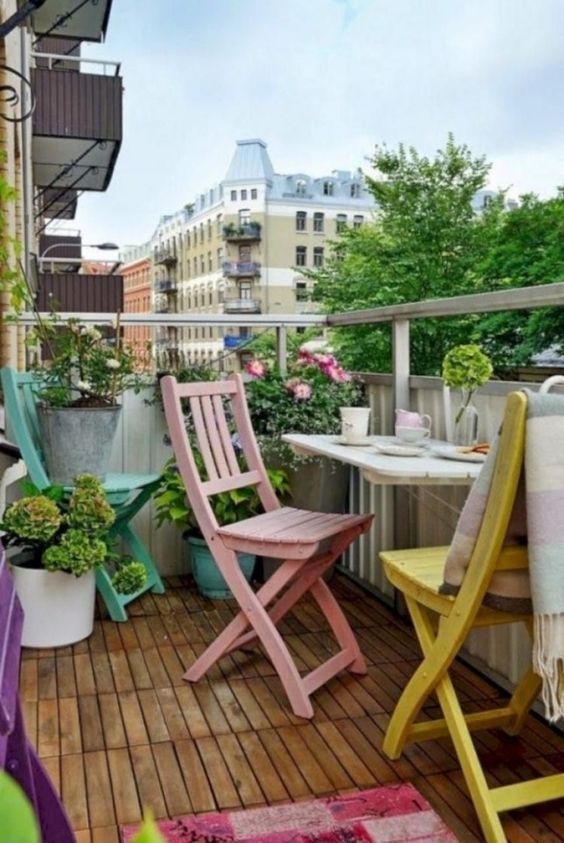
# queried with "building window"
point(301, 187)
point(341, 223)
point(220, 295)
point(301, 220)
point(218, 222)
point(187, 239)
point(195, 266)
point(328, 188)
point(301, 255)
point(244, 216)
point(202, 265)
point(302, 293)
point(201, 232)
point(358, 219)
point(209, 229)
point(245, 290)
point(254, 193)
point(318, 256)
point(210, 262)
point(355, 190)
point(243, 196)
point(318, 222)
point(219, 257)
point(233, 195)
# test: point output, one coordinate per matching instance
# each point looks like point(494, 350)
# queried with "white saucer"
point(341, 440)
point(400, 450)
point(452, 452)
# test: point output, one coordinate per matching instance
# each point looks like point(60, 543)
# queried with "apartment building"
point(136, 271)
point(241, 247)
point(60, 135)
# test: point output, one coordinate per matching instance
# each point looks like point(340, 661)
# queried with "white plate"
point(340, 440)
point(400, 450)
point(452, 452)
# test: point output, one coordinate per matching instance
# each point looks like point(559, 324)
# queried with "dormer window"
point(328, 188)
point(301, 187)
point(355, 190)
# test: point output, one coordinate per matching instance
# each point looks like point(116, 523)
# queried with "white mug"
point(354, 423)
point(413, 435)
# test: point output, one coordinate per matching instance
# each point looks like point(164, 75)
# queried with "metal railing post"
point(282, 349)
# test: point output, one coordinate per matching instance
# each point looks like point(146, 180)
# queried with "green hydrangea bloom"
point(466, 367)
point(76, 554)
point(35, 519)
point(89, 509)
point(129, 578)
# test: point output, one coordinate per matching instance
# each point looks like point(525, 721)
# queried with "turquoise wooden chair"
point(127, 493)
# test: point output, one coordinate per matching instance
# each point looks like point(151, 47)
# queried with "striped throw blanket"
point(538, 521)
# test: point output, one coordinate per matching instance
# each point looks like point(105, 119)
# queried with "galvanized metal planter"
point(77, 440)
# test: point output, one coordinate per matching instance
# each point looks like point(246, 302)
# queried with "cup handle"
point(427, 421)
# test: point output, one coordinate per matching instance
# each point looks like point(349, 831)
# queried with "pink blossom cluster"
point(255, 369)
point(326, 363)
point(300, 390)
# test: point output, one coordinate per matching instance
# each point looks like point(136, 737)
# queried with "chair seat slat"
point(291, 527)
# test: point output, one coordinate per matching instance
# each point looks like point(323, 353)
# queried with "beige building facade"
point(242, 248)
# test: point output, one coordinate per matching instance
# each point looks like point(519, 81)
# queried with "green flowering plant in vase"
point(71, 535)
point(466, 367)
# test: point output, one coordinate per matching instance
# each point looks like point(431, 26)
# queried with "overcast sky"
point(323, 81)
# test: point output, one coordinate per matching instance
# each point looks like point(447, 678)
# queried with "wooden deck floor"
point(118, 728)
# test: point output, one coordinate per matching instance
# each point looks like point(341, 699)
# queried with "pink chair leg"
point(339, 624)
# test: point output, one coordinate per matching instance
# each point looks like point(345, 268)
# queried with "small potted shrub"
point(58, 544)
point(466, 367)
point(229, 507)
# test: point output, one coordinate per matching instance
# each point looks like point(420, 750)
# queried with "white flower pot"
point(58, 607)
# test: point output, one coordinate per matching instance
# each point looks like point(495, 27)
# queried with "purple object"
point(17, 756)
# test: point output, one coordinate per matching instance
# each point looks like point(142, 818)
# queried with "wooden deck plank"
point(119, 729)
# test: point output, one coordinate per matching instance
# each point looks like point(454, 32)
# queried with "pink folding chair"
point(307, 542)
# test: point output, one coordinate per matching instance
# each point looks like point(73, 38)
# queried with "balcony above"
point(76, 125)
point(232, 305)
point(165, 257)
point(236, 269)
point(55, 203)
point(80, 21)
point(234, 233)
point(62, 246)
point(165, 285)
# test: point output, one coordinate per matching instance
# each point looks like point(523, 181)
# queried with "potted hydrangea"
point(466, 367)
point(59, 542)
point(78, 395)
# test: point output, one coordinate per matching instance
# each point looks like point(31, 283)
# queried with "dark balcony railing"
point(234, 269)
point(236, 341)
point(248, 231)
point(165, 256)
point(76, 126)
point(165, 285)
point(233, 305)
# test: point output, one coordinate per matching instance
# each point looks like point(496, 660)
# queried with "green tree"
point(424, 243)
point(528, 249)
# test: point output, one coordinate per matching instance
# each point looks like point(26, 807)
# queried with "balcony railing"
point(233, 305)
point(247, 231)
point(165, 257)
point(236, 269)
point(165, 285)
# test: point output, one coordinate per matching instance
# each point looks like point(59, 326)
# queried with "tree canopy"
point(429, 241)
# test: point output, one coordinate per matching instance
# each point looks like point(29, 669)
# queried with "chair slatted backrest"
point(20, 398)
point(215, 444)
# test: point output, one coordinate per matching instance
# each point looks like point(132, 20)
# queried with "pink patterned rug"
point(390, 814)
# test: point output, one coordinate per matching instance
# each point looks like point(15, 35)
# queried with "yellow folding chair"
point(442, 623)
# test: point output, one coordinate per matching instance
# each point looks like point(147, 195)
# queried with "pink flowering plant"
point(306, 400)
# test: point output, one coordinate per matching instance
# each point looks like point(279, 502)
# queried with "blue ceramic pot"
point(208, 577)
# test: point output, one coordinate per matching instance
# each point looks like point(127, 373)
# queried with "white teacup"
point(354, 423)
point(413, 435)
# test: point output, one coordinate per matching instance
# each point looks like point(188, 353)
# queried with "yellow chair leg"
point(524, 694)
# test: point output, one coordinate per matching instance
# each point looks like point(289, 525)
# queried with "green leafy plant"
point(86, 368)
point(173, 506)
point(466, 367)
point(70, 535)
